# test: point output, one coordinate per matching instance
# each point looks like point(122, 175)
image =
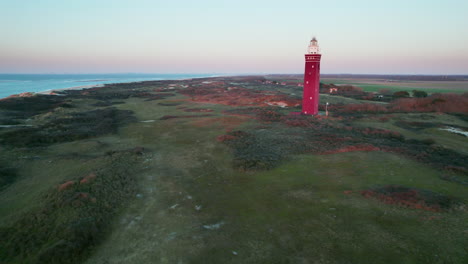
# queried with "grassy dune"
point(375, 85)
point(168, 191)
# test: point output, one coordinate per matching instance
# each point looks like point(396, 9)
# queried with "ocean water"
point(19, 83)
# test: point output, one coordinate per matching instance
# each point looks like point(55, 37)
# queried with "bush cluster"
point(253, 151)
point(74, 217)
point(78, 126)
point(265, 148)
point(7, 176)
point(26, 107)
point(411, 197)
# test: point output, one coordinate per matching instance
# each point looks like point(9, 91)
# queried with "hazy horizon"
point(224, 37)
point(221, 74)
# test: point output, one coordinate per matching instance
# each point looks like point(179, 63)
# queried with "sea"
point(20, 83)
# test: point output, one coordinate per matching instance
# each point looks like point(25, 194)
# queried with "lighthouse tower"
point(310, 99)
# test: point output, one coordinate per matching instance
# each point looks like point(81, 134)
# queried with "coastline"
point(51, 91)
point(82, 87)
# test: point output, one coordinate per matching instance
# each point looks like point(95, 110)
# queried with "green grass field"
point(191, 205)
point(375, 85)
point(293, 213)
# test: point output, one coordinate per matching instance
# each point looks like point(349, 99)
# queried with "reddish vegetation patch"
point(88, 178)
point(65, 185)
point(166, 117)
point(81, 198)
point(223, 138)
point(138, 150)
point(364, 108)
point(219, 93)
point(364, 147)
point(27, 94)
point(269, 116)
point(82, 195)
point(232, 136)
point(447, 103)
point(297, 120)
point(261, 113)
point(198, 110)
point(409, 197)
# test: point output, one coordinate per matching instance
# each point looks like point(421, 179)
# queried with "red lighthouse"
point(310, 99)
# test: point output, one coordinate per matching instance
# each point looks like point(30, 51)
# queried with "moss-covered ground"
point(169, 190)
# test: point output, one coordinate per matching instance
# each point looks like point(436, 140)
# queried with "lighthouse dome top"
point(313, 47)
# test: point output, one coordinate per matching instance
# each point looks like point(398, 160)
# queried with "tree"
point(419, 94)
point(401, 94)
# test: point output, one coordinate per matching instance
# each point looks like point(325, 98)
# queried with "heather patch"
point(411, 197)
point(267, 146)
point(222, 93)
point(78, 126)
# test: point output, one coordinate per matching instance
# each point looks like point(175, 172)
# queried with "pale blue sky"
point(411, 37)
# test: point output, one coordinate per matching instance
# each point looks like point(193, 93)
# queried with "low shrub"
point(419, 94)
point(78, 126)
point(7, 176)
point(251, 152)
point(26, 107)
point(401, 94)
point(269, 116)
point(73, 219)
point(363, 108)
point(411, 197)
point(265, 148)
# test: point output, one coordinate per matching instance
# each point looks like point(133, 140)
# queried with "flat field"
point(375, 85)
point(215, 171)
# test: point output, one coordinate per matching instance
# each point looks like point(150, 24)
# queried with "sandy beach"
point(83, 87)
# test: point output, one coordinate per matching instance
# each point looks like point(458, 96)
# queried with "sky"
point(233, 37)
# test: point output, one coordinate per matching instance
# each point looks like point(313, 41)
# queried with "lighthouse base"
point(301, 113)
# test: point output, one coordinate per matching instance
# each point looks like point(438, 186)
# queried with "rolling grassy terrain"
point(158, 173)
point(375, 85)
